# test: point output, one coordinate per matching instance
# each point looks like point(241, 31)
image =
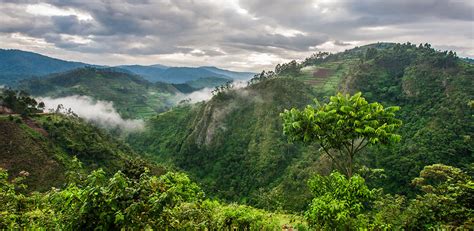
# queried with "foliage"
point(92, 146)
point(167, 202)
point(124, 202)
point(231, 144)
point(219, 90)
point(346, 124)
point(44, 146)
point(264, 75)
point(316, 58)
point(433, 89)
point(338, 201)
point(288, 69)
point(445, 202)
point(233, 147)
point(132, 96)
point(20, 102)
point(447, 199)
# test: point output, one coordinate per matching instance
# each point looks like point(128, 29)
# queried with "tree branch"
point(367, 143)
point(333, 159)
point(346, 168)
point(358, 146)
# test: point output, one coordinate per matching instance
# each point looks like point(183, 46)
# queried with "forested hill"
point(234, 144)
point(435, 91)
point(43, 148)
point(16, 65)
point(133, 97)
point(59, 172)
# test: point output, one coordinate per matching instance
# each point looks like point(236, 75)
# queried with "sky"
point(244, 35)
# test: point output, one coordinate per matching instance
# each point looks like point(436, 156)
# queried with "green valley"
point(233, 143)
point(133, 97)
point(192, 162)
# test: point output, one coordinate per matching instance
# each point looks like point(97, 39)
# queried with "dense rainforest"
point(190, 164)
point(241, 128)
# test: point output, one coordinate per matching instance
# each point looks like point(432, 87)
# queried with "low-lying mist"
point(205, 94)
point(97, 111)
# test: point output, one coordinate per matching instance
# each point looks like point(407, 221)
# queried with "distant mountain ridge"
point(133, 96)
point(161, 73)
point(17, 65)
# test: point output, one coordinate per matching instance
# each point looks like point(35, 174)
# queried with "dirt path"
point(35, 126)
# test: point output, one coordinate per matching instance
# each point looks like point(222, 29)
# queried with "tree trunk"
point(349, 172)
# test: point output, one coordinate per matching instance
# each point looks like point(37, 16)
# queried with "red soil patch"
point(322, 73)
point(33, 125)
point(20, 153)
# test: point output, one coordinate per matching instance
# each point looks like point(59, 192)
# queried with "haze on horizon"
point(240, 35)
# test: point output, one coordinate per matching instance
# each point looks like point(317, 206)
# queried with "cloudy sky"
point(235, 34)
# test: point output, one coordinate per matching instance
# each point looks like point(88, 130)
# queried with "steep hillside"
point(133, 97)
point(108, 182)
point(234, 144)
point(42, 148)
point(16, 65)
point(434, 90)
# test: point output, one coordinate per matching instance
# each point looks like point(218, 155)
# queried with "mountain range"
point(233, 146)
point(17, 65)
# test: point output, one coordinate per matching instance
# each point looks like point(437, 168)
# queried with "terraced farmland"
point(325, 78)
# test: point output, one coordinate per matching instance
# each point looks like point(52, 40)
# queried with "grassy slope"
point(24, 149)
point(132, 96)
point(45, 145)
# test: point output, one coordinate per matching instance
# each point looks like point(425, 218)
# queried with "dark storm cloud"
point(345, 17)
point(235, 29)
point(451, 9)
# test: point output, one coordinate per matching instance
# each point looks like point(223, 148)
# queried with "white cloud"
point(196, 96)
point(44, 9)
point(100, 112)
point(205, 94)
point(243, 35)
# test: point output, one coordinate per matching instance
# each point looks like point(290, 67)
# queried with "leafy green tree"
point(447, 200)
point(338, 201)
point(343, 127)
point(122, 202)
point(20, 102)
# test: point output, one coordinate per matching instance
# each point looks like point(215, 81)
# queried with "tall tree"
point(343, 127)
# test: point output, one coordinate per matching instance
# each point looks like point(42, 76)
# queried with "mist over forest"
point(236, 115)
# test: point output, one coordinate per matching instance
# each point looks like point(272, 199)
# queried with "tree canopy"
point(343, 127)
